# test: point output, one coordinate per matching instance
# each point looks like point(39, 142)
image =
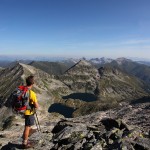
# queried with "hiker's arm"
point(36, 105)
point(35, 102)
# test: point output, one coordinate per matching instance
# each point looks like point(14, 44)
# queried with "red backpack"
point(20, 99)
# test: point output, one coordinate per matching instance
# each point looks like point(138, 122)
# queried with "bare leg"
point(32, 131)
point(26, 134)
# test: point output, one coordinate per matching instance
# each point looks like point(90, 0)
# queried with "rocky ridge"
point(80, 77)
point(45, 87)
point(117, 85)
point(136, 69)
point(108, 130)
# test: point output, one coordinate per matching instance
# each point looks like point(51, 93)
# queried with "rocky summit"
point(116, 129)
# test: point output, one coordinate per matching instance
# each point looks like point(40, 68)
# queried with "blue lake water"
point(87, 97)
point(61, 109)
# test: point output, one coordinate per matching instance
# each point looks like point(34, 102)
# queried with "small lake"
point(87, 97)
point(61, 109)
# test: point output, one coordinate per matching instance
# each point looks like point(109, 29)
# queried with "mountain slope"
point(133, 68)
point(55, 68)
point(80, 77)
point(144, 62)
point(46, 87)
point(9, 79)
point(1, 68)
point(82, 87)
point(4, 63)
point(101, 89)
point(117, 85)
point(106, 82)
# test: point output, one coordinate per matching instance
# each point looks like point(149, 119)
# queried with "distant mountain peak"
point(122, 60)
point(101, 60)
point(83, 63)
point(80, 64)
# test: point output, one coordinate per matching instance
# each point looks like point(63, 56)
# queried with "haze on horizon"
point(73, 28)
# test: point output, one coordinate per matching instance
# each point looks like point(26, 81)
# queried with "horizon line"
point(24, 57)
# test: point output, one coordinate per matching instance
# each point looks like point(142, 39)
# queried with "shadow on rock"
point(12, 146)
point(141, 100)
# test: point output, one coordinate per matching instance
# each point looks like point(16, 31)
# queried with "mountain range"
point(78, 88)
point(140, 71)
point(79, 85)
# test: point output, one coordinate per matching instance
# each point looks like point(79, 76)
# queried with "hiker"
point(29, 113)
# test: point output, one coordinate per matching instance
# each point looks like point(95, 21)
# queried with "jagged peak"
point(29, 68)
point(20, 66)
point(79, 64)
point(122, 60)
point(101, 60)
point(109, 70)
point(83, 62)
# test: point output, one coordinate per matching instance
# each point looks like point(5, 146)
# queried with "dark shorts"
point(29, 120)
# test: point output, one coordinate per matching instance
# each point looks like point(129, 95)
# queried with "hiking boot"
point(28, 145)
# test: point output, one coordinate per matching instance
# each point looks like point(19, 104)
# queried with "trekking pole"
point(39, 128)
point(37, 125)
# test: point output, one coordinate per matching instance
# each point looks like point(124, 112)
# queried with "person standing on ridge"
point(29, 113)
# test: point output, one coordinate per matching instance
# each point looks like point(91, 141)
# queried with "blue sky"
point(74, 28)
